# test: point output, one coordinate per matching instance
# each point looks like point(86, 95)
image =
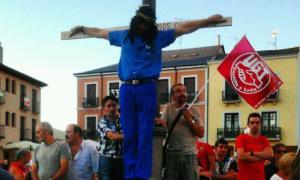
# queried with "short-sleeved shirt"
point(182, 141)
point(85, 162)
point(108, 147)
point(251, 170)
point(48, 157)
point(138, 60)
point(223, 167)
point(204, 150)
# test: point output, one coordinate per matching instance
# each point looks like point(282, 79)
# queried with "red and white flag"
point(246, 72)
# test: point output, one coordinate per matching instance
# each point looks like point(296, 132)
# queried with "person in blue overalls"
point(139, 68)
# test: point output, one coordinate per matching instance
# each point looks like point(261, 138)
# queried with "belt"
point(139, 81)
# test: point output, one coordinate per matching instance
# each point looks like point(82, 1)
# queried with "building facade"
point(187, 66)
point(20, 103)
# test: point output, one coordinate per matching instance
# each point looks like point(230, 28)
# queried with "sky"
point(30, 36)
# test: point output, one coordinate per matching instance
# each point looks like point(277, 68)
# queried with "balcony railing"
point(25, 134)
point(24, 103)
point(271, 132)
point(2, 131)
point(36, 107)
point(230, 97)
point(163, 98)
point(90, 102)
point(229, 133)
point(90, 134)
point(2, 96)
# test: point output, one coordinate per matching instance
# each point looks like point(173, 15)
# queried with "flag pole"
point(203, 86)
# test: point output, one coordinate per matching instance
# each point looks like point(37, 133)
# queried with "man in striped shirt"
point(111, 141)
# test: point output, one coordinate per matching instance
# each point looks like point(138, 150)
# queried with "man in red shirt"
point(206, 160)
point(252, 150)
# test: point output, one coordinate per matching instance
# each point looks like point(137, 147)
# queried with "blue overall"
point(138, 101)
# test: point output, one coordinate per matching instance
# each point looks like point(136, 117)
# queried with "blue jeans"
point(111, 168)
point(138, 107)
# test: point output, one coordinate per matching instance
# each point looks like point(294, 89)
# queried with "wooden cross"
point(161, 26)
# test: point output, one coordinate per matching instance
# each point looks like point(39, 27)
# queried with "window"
point(231, 120)
point(35, 104)
point(13, 86)
point(190, 84)
point(13, 120)
point(231, 125)
point(163, 91)
point(91, 127)
point(113, 89)
point(229, 94)
point(7, 84)
point(7, 118)
point(269, 119)
point(91, 99)
point(23, 91)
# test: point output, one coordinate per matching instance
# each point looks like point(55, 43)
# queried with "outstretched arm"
point(195, 25)
point(94, 32)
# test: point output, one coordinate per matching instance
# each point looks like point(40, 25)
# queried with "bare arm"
point(34, 169)
point(114, 136)
point(15, 173)
point(246, 156)
point(64, 163)
point(195, 127)
point(91, 31)
point(195, 25)
point(267, 153)
point(230, 176)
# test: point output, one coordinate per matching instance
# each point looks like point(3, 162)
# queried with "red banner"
point(246, 72)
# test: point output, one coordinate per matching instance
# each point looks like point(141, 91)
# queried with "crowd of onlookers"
point(186, 158)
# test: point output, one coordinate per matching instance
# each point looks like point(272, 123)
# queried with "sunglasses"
point(281, 152)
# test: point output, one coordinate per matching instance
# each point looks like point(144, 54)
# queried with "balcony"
point(163, 98)
point(229, 98)
point(2, 131)
point(229, 133)
point(272, 132)
point(90, 102)
point(90, 134)
point(24, 103)
point(25, 134)
point(273, 97)
point(36, 107)
point(2, 96)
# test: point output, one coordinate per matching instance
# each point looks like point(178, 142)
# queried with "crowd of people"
point(187, 157)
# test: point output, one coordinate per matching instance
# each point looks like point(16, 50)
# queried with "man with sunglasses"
point(272, 168)
point(252, 150)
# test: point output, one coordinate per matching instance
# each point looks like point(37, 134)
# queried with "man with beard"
point(51, 157)
point(111, 141)
point(84, 164)
point(181, 160)
point(252, 150)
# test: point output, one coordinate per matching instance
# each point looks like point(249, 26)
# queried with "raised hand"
point(76, 30)
point(217, 18)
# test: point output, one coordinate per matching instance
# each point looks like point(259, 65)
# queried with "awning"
point(21, 144)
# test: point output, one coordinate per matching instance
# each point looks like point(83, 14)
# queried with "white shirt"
point(275, 177)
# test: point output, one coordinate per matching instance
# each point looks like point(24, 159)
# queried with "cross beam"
point(161, 26)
